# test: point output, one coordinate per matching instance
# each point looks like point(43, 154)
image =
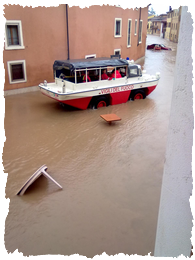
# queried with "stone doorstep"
point(20, 90)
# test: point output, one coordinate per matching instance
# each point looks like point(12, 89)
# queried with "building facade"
point(158, 25)
point(168, 29)
point(149, 26)
point(175, 25)
point(35, 37)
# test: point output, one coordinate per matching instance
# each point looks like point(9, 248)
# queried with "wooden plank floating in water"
point(36, 175)
point(110, 118)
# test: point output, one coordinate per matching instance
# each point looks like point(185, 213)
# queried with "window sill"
point(18, 81)
point(118, 36)
point(14, 48)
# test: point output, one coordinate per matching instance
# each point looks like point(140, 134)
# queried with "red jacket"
point(104, 76)
point(118, 75)
point(84, 78)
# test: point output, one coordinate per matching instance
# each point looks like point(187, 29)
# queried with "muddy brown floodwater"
point(111, 174)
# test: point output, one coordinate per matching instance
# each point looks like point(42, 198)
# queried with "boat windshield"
point(134, 71)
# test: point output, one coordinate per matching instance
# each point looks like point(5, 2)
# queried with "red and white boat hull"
point(81, 99)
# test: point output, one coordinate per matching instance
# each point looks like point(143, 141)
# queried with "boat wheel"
point(138, 94)
point(100, 102)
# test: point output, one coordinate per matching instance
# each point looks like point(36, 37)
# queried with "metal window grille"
point(140, 32)
point(118, 26)
point(17, 71)
point(129, 33)
point(12, 35)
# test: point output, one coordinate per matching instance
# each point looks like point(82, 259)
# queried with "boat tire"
point(100, 102)
point(138, 94)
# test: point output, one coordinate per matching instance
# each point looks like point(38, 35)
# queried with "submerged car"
point(156, 46)
point(98, 82)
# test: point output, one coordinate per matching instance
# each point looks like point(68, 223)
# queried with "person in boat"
point(118, 74)
point(62, 76)
point(88, 78)
point(104, 75)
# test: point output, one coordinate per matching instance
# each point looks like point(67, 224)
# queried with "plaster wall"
point(175, 217)
point(44, 37)
point(161, 30)
point(156, 29)
point(175, 23)
point(167, 33)
point(168, 28)
point(92, 31)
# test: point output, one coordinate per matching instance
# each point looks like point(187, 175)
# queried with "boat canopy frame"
point(92, 63)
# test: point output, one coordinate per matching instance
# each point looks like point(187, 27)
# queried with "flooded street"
point(111, 174)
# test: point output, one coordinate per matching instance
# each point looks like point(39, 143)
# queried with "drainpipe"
point(67, 32)
point(139, 26)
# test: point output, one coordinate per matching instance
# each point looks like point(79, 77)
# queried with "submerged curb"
point(20, 91)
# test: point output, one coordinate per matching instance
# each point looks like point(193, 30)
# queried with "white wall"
point(175, 217)
point(161, 33)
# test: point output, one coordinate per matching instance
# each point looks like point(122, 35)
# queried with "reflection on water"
point(111, 174)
